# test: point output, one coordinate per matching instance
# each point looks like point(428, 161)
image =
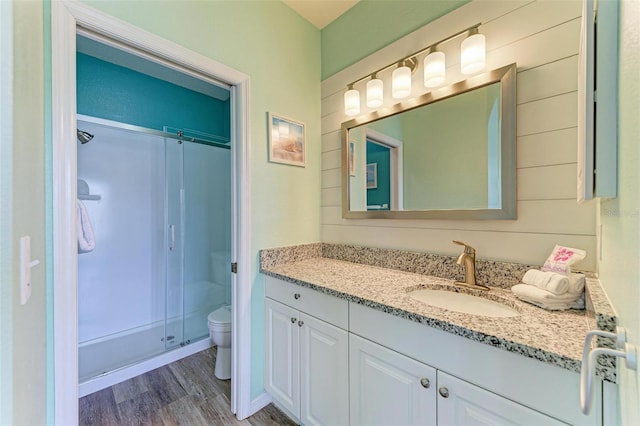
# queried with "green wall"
point(373, 24)
point(390, 126)
point(6, 169)
point(619, 268)
point(27, 204)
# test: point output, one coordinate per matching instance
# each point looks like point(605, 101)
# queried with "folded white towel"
point(576, 283)
point(550, 281)
point(548, 300)
point(86, 239)
point(558, 306)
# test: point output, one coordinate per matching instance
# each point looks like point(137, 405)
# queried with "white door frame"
point(66, 18)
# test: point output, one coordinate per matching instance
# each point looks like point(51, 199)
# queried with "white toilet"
point(220, 333)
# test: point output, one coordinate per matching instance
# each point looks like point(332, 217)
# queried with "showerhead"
point(84, 137)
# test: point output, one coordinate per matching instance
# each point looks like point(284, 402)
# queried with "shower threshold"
point(127, 372)
point(107, 361)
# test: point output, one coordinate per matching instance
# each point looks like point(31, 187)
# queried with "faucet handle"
point(467, 248)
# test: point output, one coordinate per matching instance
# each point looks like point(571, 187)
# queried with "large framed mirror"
point(449, 154)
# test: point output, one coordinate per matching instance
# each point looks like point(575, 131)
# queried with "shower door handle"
point(172, 237)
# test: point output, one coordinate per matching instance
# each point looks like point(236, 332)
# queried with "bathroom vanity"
point(346, 344)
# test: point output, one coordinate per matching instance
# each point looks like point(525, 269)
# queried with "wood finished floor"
point(184, 392)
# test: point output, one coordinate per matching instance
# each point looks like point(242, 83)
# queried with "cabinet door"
point(461, 403)
point(324, 373)
point(388, 388)
point(282, 357)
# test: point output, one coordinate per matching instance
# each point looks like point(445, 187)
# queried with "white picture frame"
point(287, 141)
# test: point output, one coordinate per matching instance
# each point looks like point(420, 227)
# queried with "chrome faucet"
point(468, 259)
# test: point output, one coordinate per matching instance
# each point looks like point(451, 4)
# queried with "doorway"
point(68, 20)
point(384, 171)
point(154, 182)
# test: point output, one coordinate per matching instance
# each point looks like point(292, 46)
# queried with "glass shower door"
point(121, 284)
point(198, 226)
point(207, 235)
point(174, 226)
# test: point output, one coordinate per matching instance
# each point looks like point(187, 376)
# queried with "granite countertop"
point(553, 337)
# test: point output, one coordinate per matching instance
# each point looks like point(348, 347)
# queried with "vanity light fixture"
point(472, 61)
point(375, 92)
point(434, 69)
point(351, 101)
point(473, 54)
point(401, 78)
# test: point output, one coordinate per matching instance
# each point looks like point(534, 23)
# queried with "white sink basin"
point(464, 303)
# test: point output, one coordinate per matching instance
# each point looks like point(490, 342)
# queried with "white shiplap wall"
point(542, 37)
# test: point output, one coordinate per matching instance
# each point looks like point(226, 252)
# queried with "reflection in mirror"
point(450, 155)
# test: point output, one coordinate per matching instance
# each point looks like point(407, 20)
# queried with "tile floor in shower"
point(184, 392)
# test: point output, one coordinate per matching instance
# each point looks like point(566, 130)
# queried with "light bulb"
point(375, 93)
point(352, 102)
point(473, 54)
point(401, 82)
point(434, 69)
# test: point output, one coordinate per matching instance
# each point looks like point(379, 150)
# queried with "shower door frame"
point(67, 18)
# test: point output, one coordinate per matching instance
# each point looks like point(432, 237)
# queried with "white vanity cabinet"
point(307, 353)
point(335, 362)
point(388, 388)
point(474, 382)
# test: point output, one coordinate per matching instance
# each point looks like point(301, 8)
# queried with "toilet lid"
point(221, 315)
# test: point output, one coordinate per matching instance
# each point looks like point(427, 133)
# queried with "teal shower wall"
point(117, 93)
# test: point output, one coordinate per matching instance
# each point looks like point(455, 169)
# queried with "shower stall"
point(159, 204)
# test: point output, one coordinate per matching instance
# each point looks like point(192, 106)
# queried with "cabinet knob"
point(293, 320)
point(300, 323)
point(444, 392)
point(425, 383)
point(296, 296)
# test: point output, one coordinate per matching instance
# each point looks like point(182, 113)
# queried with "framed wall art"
point(286, 141)
point(372, 175)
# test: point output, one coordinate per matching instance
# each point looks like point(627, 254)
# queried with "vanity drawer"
point(322, 306)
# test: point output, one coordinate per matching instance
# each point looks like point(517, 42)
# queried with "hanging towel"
point(86, 240)
point(550, 281)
